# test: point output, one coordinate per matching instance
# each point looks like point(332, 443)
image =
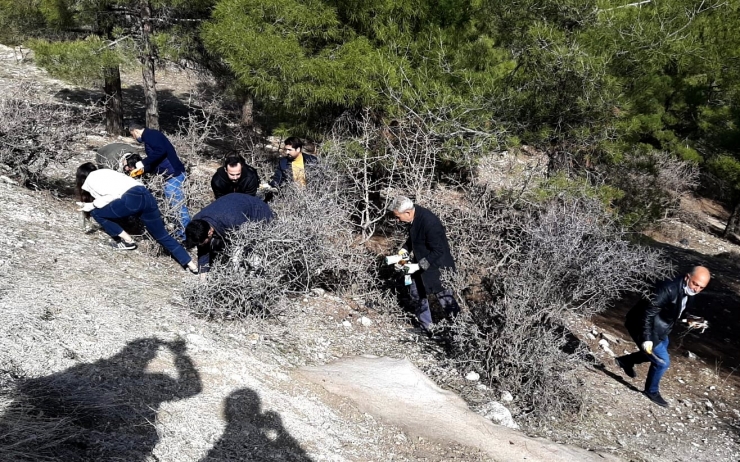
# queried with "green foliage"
point(81, 61)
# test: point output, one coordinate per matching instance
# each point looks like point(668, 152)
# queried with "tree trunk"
point(147, 70)
point(113, 101)
point(248, 110)
point(734, 221)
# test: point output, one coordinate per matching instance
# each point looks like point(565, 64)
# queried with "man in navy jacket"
point(161, 159)
point(650, 322)
point(210, 227)
point(428, 242)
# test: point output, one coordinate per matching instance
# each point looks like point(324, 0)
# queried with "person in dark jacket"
point(210, 227)
point(161, 159)
point(651, 320)
point(296, 166)
point(428, 242)
point(235, 176)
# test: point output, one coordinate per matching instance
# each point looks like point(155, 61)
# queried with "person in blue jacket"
point(161, 159)
point(210, 227)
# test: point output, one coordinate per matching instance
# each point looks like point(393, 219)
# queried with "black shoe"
point(123, 245)
point(629, 370)
point(657, 399)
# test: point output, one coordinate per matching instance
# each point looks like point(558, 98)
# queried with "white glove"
point(647, 347)
point(411, 268)
point(266, 187)
point(85, 206)
point(140, 165)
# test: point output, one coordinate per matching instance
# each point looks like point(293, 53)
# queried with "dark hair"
point(132, 159)
point(233, 161)
point(309, 148)
point(294, 142)
point(134, 125)
point(196, 232)
point(82, 172)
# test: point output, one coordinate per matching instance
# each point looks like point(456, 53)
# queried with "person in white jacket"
point(110, 196)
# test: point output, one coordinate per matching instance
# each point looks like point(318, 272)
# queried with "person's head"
point(197, 232)
point(136, 129)
point(129, 162)
point(697, 280)
point(309, 148)
point(82, 173)
point(402, 208)
point(293, 147)
point(233, 166)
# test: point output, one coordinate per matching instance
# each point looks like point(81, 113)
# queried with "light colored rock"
point(590, 336)
point(610, 338)
point(318, 292)
point(604, 344)
point(690, 355)
point(498, 414)
point(506, 397)
point(365, 321)
point(472, 376)
point(196, 339)
point(708, 404)
point(347, 324)
point(395, 391)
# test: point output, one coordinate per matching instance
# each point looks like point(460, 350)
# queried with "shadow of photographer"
point(98, 411)
point(251, 434)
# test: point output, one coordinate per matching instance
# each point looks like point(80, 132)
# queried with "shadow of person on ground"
point(253, 435)
point(101, 411)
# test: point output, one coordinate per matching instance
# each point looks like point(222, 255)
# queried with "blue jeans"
point(657, 369)
point(176, 199)
point(139, 202)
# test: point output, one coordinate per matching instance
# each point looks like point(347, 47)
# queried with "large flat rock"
point(395, 391)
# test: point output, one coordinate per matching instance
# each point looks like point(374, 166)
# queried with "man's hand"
point(647, 347)
point(85, 206)
point(404, 254)
point(266, 187)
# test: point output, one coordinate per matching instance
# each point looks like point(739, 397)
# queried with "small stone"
point(481, 387)
point(365, 321)
point(497, 413)
point(318, 292)
point(712, 388)
point(690, 355)
point(610, 338)
point(305, 300)
point(590, 336)
point(506, 397)
point(195, 339)
point(680, 380)
point(254, 338)
point(472, 376)
point(684, 242)
point(347, 324)
point(708, 404)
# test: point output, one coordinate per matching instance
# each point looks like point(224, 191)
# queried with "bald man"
point(650, 322)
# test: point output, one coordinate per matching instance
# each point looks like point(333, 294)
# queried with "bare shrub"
point(526, 273)
point(35, 132)
point(310, 244)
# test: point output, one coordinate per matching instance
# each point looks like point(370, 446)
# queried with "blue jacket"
point(284, 170)
point(161, 157)
point(225, 214)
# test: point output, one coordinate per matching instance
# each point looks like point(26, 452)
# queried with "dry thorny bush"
point(310, 244)
point(525, 273)
point(36, 132)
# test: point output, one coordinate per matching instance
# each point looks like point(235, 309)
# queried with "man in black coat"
point(235, 176)
point(428, 242)
point(650, 322)
point(295, 167)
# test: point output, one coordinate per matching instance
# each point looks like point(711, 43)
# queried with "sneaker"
point(657, 399)
point(629, 370)
point(123, 245)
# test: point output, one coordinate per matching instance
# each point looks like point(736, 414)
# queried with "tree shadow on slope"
point(253, 435)
point(101, 411)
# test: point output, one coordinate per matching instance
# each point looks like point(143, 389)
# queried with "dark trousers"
point(139, 202)
point(420, 302)
point(659, 363)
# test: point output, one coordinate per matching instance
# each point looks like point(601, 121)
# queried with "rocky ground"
point(69, 304)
